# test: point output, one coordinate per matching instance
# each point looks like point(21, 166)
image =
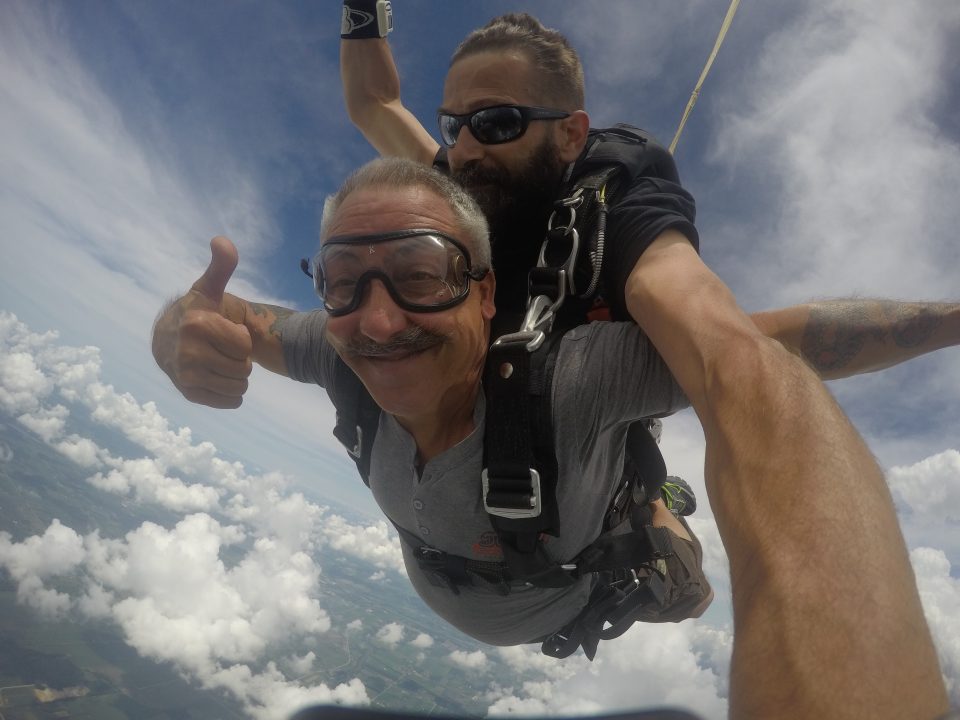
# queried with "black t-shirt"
point(653, 203)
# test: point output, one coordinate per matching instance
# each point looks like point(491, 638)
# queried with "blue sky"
point(824, 154)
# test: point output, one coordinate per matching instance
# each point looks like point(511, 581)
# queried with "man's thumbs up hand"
point(200, 340)
point(223, 261)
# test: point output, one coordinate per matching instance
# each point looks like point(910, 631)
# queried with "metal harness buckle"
point(512, 512)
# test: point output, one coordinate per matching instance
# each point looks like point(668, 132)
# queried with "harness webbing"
point(518, 450)
point(358, 417)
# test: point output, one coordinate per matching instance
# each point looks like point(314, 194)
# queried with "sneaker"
point(678, 496)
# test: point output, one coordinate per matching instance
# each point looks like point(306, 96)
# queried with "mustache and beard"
point(515, 201)
point(413, 339)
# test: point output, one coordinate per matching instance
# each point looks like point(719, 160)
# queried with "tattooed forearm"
point(278, 313)
point(866, 333)
point(911, 329)
point(836, 333)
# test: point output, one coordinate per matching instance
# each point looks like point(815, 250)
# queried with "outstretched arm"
point(840, 338)
point(814, 576)
point(208, 340)
point(371, 89)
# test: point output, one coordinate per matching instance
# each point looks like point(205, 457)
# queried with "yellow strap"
point(731, 11)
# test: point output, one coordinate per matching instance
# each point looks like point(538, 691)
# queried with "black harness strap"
point(358, 417)
point(520, 474)
point(452, 571)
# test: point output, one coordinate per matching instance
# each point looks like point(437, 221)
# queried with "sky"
point(824, 153)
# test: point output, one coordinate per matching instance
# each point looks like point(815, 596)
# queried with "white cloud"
point(47, 422)
point(175, 601)
point(302, 664)
point(929, 487)
point(526, 658)
point(640, 667)
point(940, 594)
point(168, 589)
point(97, 603)
point(146, 479)
point(837, 117)
point(59, 550)
point(47, 601)
point(476, 660)
point(355, 624)
point(269, 695)
point(83, 451)
point(373, 543)
point(390, 634)
point(21, 382)
point(422, 641)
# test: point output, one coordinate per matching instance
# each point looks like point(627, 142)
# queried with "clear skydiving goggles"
point(423, 270)
point(493, 125)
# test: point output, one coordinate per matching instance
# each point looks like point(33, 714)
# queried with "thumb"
point(223, 261)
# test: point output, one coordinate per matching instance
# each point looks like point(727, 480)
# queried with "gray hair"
point(399, 173)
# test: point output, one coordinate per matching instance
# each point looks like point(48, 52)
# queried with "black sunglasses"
point(493, 125)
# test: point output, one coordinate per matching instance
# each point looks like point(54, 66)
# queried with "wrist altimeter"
point(364, 19)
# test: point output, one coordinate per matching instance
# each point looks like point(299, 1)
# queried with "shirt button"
point(424, 530)
point(418, 505)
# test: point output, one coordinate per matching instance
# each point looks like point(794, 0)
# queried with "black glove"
point(366, 19)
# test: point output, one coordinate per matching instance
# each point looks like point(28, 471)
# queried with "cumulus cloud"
point(302, 664)
point(422, 641)
point(940, 594)
point(929, 487)
point(373, 543)
point(390, 634)
point(169, 589)
point(476, 660)
point(59, 550)
point(640, 666)
point(145, 480)
point(21, 381)
point(175, 601)
point(355, 625)
point(82, 451)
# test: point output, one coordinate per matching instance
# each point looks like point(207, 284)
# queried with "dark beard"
point(517, 205)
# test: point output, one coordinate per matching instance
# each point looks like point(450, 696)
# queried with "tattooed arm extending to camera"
point(840, 338)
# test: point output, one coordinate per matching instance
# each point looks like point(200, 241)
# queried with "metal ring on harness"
point(568, 265)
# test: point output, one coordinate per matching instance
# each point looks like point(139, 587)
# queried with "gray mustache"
point(413, 339)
